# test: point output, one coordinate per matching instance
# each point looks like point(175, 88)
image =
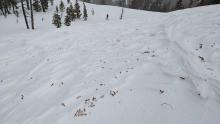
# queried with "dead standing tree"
point(24, 13)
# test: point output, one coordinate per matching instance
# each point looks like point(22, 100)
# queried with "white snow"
point(146, 68)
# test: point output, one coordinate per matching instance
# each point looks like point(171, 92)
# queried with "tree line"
point(169, 5)
point(28, 7)
point(72, 13)
point(157, 5)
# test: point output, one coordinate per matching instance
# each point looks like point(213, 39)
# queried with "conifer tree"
point(44, 5)
point(14, 5)
point(56, 18)
point(202, 2)
point(7, 5)
point(67, 20)
point(62, 7)
point(51, 2)
point(68, 11)
point(179, 5)
point(36, 6)
point(72, 12)
point(190, 4)
point(77, 10)
point(85, 15)
point(68, 1)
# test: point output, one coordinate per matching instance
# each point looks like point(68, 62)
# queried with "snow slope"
point(146, 68)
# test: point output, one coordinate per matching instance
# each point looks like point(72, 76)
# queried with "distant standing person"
point(107, 16)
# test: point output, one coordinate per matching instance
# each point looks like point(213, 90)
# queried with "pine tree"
point(56, 18)
point(77, 9)
point(44, 5)
point(190, 4)
point(85, 15)
point(14, 5)
point(36, 6)
point(68, 11)
point(202, 2)
point(67, 20)
point(51, 2)
point(7, 5)
point(179, 5)
point(68, 1)
point(62, 7)
point(72, 12)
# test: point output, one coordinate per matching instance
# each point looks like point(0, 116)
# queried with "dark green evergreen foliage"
point(44, 5)
point(68, 1)
point(77, 10)
point(156, 5)
point(164, 8)
point(68, 11)
point(8, 7)
point(67, 20)
point(37, 6)
point(85, 14)
point(56, 18)
point(146, 5)
point(72, 12)
point(122, 3)
point(62, 8)
point(179, 4)
point(190, 3)
point(216, 1)
point(51, 2)
point(202, 2)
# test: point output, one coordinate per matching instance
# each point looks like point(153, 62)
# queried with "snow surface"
point(150, 67)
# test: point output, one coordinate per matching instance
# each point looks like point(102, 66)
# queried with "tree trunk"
point(42, 5)
point(13, 8)
point(24, 13)
point(32, 16)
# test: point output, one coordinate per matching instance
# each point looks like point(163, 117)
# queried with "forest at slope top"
point(156, 5)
